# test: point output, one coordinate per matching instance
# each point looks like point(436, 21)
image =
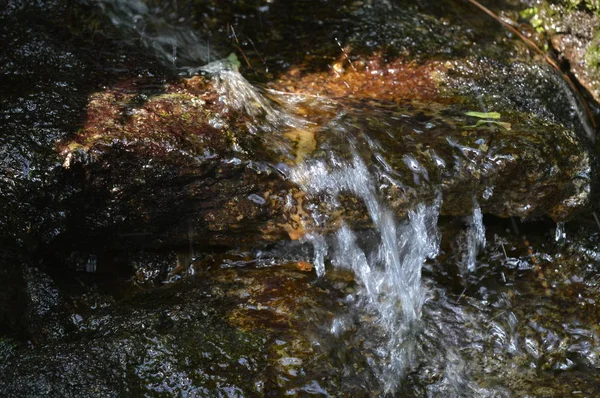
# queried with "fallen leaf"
point(484, 115)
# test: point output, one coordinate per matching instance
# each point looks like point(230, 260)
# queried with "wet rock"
point(54, 56)
point(207, 159)
point(540, 334)
point(572, 30)
point(182, 167)
point(426, 150)
point(578, 46)
point(113, 165)
point(233, 331)
point(12, 294)
point(161, 162)
point(47, 71)
point(243, 329)
point(170, 168)
point(415, 104)
point(45, 309)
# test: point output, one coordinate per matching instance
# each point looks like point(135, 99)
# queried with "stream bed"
point(309, 198)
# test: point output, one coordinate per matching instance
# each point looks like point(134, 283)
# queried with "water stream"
point(388, 266)
point(387, 261)
point(435, 306)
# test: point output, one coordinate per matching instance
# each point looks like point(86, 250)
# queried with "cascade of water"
point(390, 272)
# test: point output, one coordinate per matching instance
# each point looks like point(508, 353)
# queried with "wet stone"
point(210, 191)
point(180, 221)
point(571, 28)
point(236, 331)
point(158, 162)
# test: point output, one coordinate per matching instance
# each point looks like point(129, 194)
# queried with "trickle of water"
point(475, 237)
point(389, 272)
point(560, 234)
point(320, 249)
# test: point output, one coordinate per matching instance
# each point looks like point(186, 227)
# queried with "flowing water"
point(414, 324)
point(440, 306)
point(388, 265)
point(388, 268)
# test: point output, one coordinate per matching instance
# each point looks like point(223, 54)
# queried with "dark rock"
point(13, 297)
point(238, 332)
point(160, 162)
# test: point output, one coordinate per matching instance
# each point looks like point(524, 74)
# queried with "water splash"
point(237, 93)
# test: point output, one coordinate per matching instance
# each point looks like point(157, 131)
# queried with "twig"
point(259, 56)
point(596, 218)
point(239, 47)
point(344, 52)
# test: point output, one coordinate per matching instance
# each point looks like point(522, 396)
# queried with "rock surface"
point(121, 158)
point(572, 30)
point(159, 161)
point(182, 166)
point(240, 328)
point(236, 332)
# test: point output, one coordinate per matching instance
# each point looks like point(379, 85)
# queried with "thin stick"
point(239, 47)
point(459, 297)
point(344, 52)
point(259, 56)
point(504, 250)
point(596, 218)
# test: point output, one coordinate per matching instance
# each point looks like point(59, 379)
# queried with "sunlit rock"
point(187, 164)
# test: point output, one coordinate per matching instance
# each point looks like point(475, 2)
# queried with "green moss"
point(590, 5)
point(592, 56)
point(533, 16)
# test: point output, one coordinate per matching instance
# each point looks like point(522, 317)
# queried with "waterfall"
point(389, 273)
point(388, 268)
